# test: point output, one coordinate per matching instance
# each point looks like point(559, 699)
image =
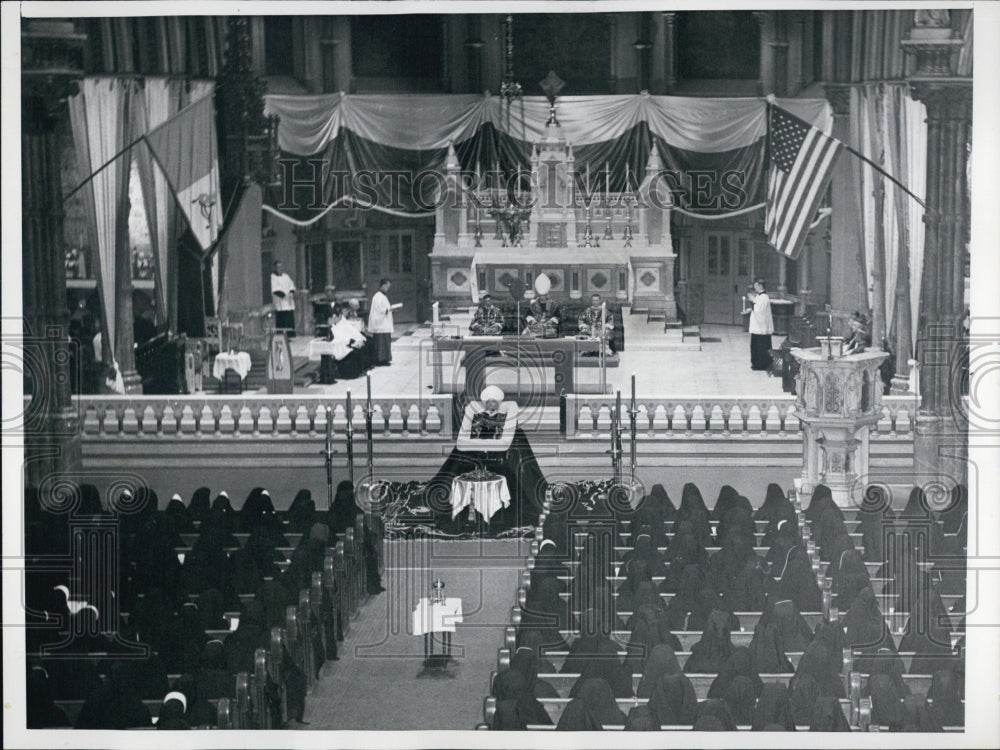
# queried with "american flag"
point(800, 164)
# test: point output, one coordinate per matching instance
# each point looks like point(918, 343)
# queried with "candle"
point(588, 181)
point(368, 377)
point(607, 180)
point(633, 390)
point(350, 411)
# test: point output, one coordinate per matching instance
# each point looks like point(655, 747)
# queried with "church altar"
point(588, 241)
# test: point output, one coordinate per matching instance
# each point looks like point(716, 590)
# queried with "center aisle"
point(375, 685)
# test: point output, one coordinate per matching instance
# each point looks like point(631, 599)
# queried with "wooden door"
point(391, 254)
point(728, 272)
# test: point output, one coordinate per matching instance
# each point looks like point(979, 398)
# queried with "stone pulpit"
point(839, 402)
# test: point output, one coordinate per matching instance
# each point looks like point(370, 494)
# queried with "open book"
point(396, 306)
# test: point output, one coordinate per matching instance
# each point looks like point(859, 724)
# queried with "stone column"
point(940, 450)
point(52, 59)
point(669, 55)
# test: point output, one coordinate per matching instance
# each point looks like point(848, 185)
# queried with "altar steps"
point(646, 333)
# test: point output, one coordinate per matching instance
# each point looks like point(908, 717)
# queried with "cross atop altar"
point(559, 218)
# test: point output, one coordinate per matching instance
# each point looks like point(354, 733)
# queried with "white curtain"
point(100, 127)
point(887, 124)
point(425, 122)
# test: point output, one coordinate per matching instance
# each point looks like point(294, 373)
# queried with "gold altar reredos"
point(627, 254)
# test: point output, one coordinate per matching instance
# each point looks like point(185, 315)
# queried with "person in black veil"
point(198, 712)
point(684, 550)
point(928, 635)
point(645, 551)
point(711, 651)
point(172, 713)
point(946, 694)
point(200, 504)
point(795, 632)
point(887, 702)
point(511, 685)
point(773, 709)
point(767, 649)
point(865, 624)
point(507, 717)
point(115, 704)
point(596, 656)
point(534, 640)
point(849, 578)
point(830, 635)
point(803, 694)
point(527, 663)
point(737, 520)
point(301, 513)
point(576, 717)
point(660, 662)
point(341, 517)
point(796, 581)
point(648, 628)
point(821, 499)
point(828, 716)
point(673, 700)
point(726, 500)
point(546, 612)
point(556, 529)
point(41, 710)
point(636, 574)
point(179, 516)
point(693, 603)
point(884, 662)
point(739, 664)
point(641, 719)
point(917, 715)
point(717, 709)
point(785, 536)
point(776, 506)
point(747, 591)
point(649, 518)
point(694, 511)
point(877, 520)
point(253, 507)
point(726, 564)
point(826, 529)
point(953, 517)
point(599, 696)
point(213, 679)
point(817, 663)
point(662, 500)
point(250, 634)
point(549, 564)
point(590, 588)
point(741, 696)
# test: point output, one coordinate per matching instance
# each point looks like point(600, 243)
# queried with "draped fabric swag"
point(610, 136)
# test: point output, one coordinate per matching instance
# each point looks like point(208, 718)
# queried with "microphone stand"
point(616, 440)
point(328, 453)
point(350, 438)
point(633, 412)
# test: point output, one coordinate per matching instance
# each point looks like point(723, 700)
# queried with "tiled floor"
point(722, 367)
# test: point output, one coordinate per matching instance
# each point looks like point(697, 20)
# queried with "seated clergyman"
point(544, 317)
point(488, 320)
point(489, 423)
point(590, 321)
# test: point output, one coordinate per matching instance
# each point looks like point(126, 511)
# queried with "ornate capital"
point(945, 99)
point(839, 96)
point(51, 65)
point(935, 49)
